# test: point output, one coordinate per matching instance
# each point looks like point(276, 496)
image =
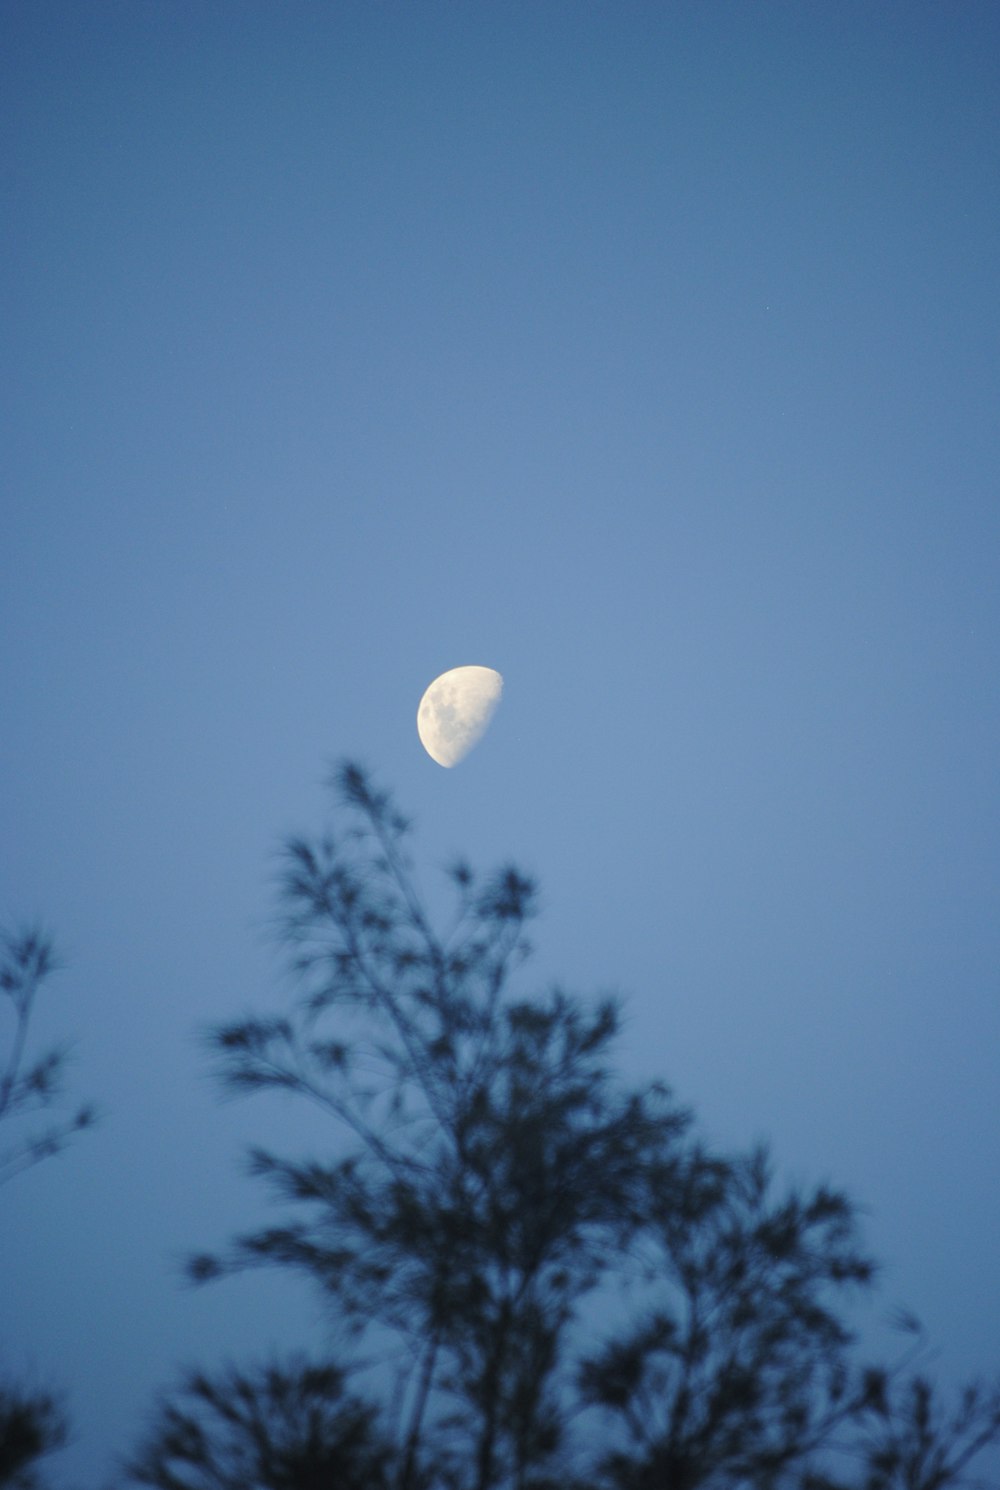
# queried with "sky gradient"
point(646, 353)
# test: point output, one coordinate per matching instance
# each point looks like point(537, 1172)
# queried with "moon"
point(455, 711)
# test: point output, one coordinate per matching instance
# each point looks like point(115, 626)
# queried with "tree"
point(277, 1427)
point(492, 1193)
point(32, 1423)
point(736, 1369)
point(494, 1166)
point(27, 960)
point(911, 1441)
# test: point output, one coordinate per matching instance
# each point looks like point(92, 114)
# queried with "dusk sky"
point(645, 352)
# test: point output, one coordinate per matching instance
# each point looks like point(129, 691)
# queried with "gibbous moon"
point(455, 711)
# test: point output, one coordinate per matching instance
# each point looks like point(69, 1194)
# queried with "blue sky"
point(644, 352)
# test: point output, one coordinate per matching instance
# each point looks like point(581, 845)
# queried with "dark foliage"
point(911, 1441)
point(28, 1087)
point(736, 1369)
point(32, 1424)
point(490, 1192)
point(494, 1167)
point(288, 1427)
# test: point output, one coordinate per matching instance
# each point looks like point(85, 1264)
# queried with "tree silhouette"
point(494, 1165)
point(27, 960)
point(279, 1427)
point(910, 1441)
point(560, 1286)
point(32, 1424)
